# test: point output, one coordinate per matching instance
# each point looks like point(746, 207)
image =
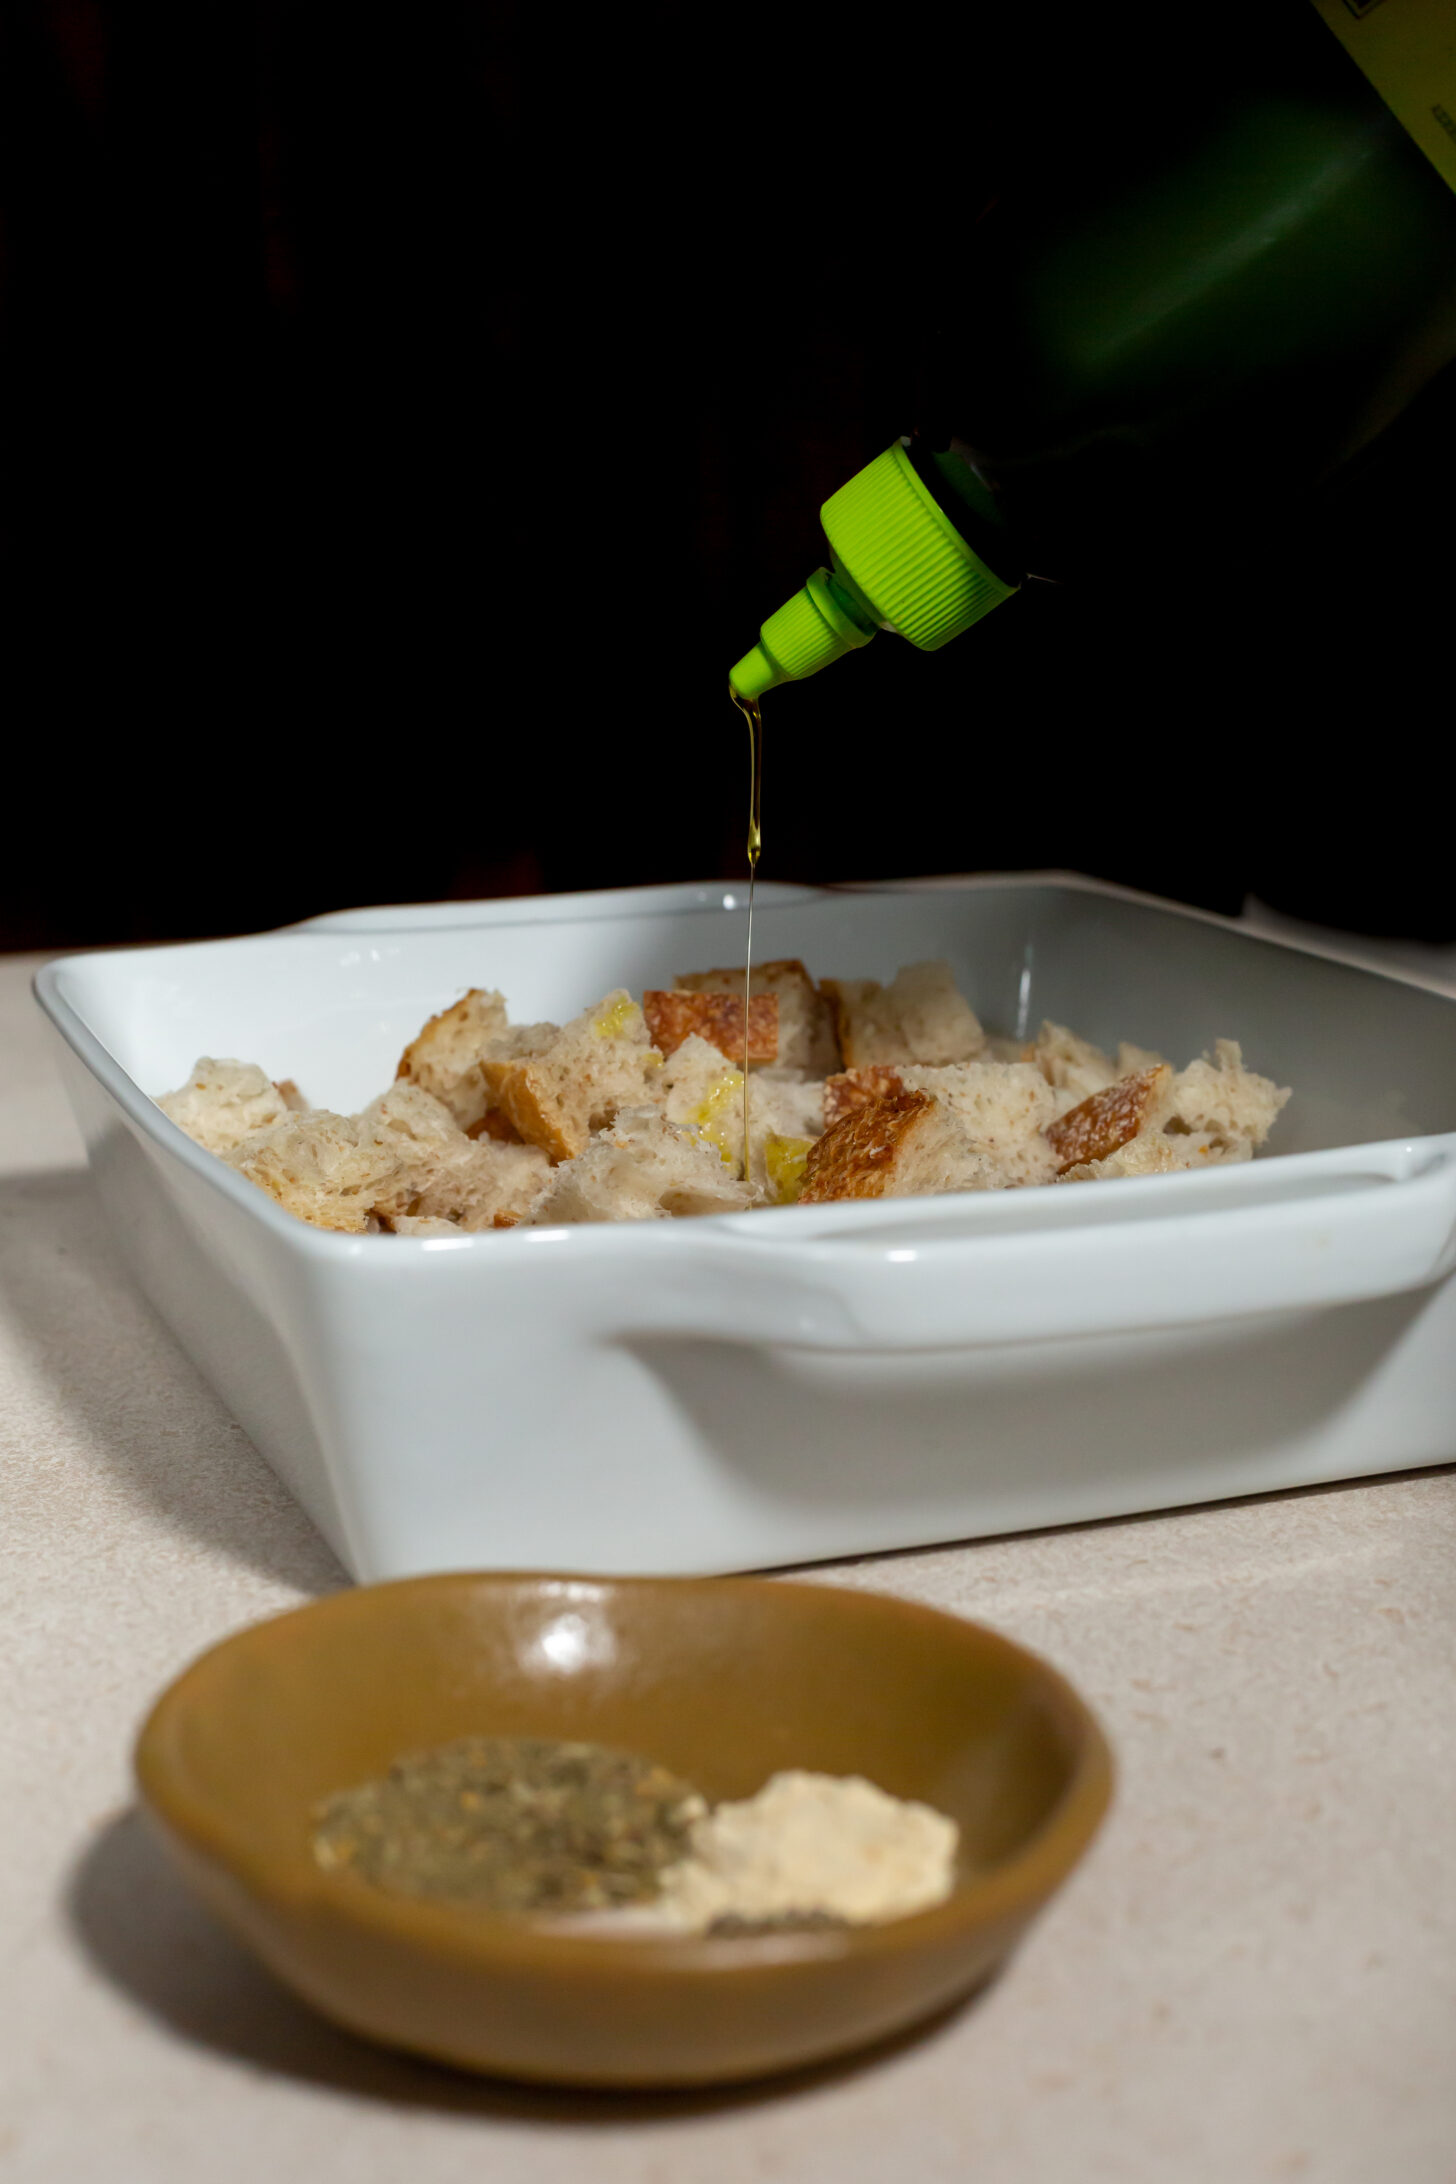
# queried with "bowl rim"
point(1167, 1196)
point(1007, 1893)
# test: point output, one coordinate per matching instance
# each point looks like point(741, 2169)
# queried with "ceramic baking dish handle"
point(1170, 1260)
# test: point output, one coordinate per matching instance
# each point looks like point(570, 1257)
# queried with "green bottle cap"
point(899, 562)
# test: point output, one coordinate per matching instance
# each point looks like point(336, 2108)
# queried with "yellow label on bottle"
point(1407, 50)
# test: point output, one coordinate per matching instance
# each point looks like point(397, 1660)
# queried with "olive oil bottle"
point(1166, 328)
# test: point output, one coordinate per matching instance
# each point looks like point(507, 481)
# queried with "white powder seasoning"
point(833, 1844)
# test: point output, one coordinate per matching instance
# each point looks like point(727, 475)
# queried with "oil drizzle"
point(748, 707)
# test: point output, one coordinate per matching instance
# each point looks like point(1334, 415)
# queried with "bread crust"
point(807, 1038)
point(853, 1088)
point(1099, 1125)
point(530, 1099)
point(857, 1158)
point(569, 1080)
point(445, 1053)
point(716, 1017)
point(495, 1123)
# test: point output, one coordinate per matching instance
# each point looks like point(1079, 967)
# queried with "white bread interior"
point(641, 1168)
point(921, 1016)
point(574, 1080)
point(224, 1102)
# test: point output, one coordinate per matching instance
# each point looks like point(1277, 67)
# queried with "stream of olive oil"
point(748, 707)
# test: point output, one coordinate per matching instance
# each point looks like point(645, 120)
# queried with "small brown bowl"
point(725, 1680)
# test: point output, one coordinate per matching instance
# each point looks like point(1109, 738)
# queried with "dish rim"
point(1185, 1191)
point(1009, 1892)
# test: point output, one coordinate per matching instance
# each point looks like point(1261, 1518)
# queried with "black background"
point(410, 414)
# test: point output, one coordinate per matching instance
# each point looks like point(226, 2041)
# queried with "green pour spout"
point(899, 563)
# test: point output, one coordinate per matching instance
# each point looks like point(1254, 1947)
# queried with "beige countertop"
point(1253, 1975)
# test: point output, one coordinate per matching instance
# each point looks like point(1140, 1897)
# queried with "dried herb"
point(512, 1824)
point(736, 1923)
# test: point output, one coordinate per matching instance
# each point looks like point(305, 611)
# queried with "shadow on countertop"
point(132, 1403)
point(145, 1934)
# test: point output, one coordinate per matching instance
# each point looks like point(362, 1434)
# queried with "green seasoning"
point(512, 1824)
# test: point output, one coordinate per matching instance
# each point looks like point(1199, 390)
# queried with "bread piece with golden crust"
point(852, 1088)
point(445, 1055)
point(445, 1058)
point(1097, 1127)
point(716, 1017)
point(578, 1078)
point(807, 1039)
point(1003, 1107)
point(904, 1145)
point(642, 1168)
point(224, 1102)
point(919, 1017)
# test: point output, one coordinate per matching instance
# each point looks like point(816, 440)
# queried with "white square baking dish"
point(770, 1388)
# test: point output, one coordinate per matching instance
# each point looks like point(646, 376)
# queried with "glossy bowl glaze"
point(724, 1680)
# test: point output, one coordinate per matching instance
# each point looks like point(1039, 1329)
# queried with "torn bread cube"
point(329, 1170)
point(718, 1018)
point(578, 1078)
point(420, 1119)
point(1230, 1104)
point(479, 1184)
point(1073, 1064)
point(1154, 1154)
point(784, 1162)
point(1130, 1059)
point(919, 1017)
point(786, 1104)
point(1099, 1125)
point(224, 1102)
point(904, 1145)
point(807, 1039)
point(447, 1175)
point(1004, 1108)
point(514, 1044)
point(409, 1224)
point(445, 1059)
point(784, 1108)
point(699, 1090)
point(445, 1056)
point(443, 1174)
point(642, 1168)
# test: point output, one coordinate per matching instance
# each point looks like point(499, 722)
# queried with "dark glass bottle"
point(1193, 301)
